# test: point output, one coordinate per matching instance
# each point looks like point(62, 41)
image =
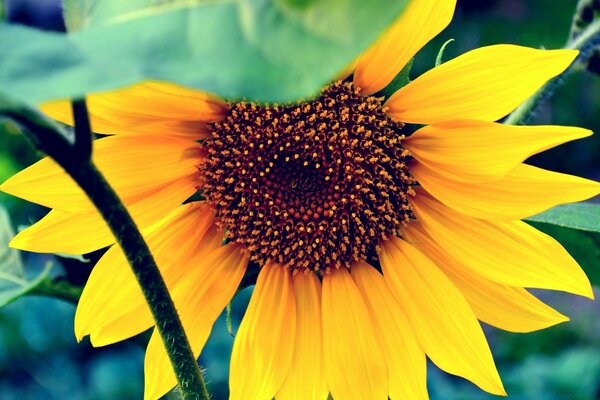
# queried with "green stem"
point(55, 142)
point(585, 43)
point(82, 147)
point(587, 38)
point(585, 12)
point(148, 276)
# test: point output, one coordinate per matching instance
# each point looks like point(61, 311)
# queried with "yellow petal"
point(421, 21)
point(484, 84)
point(112, 291)
point(200, 297)
point(510, 308)
point(466, 150)
point(523, 192)
point(128, 325)
point(264, 345)
point(443, 320)
point(135, 166)
point(128, 315)
point(306, 378)
point(405, 358)
point(354, 362)
point(146, 108)
point(62, 232)
point(511, 253)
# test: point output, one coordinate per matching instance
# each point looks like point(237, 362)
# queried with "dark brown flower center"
point(314, 185)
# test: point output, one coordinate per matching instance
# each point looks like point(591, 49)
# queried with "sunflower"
point(373, 248)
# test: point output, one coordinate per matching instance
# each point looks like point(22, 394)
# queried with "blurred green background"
point(40, 359)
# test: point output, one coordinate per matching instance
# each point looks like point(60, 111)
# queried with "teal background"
point(40, 359)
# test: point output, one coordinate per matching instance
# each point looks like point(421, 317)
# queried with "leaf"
point(584, 246)
point(228, 320)
point(57, 288)
point(10, 259)
point(298, 3)
point(76, 257)
point(440, 55)
point(581, 216)
point(12, 288)
point(81, 14)
point(266, 50)
point(76, 13)
point(13, 283)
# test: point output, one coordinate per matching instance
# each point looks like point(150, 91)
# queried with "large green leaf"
point(581, 216)
point(269, 50)
point(81, 14)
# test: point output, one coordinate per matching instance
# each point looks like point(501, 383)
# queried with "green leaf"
point(76, 13)
point(81, 14)
point(298, 3)
point(440, 56)
point(10, 259)
point(266, 50)
point(12, 288)
point(13, 283)
point(582, 245)
point(76, 257)
point(581, 216)
point(58, 289)
point(228, 320)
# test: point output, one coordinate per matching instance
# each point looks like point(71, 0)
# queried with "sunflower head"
point(315, 185)
point(406, 240)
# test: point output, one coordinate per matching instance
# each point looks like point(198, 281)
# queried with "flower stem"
point(148, 276)
point(74, 155)
point(585, 42)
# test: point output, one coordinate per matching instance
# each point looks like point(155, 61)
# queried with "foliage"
point(13, 281)
point(581, 216)
point(263, 49)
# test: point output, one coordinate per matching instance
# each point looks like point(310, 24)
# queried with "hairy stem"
point(74, 155)
point(585, 43)
point(148, 276)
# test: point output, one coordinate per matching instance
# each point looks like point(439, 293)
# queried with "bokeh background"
point(40, 359)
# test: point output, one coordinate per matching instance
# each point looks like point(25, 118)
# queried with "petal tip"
point(581, 287)
point(79, 338)
point(589, 292)
point(18, 242)
point(9, 187)
point(496, 386)
point(81, 325)
point(95, 340)
point(564, 58)
point(553, 320)
point(584, 133)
